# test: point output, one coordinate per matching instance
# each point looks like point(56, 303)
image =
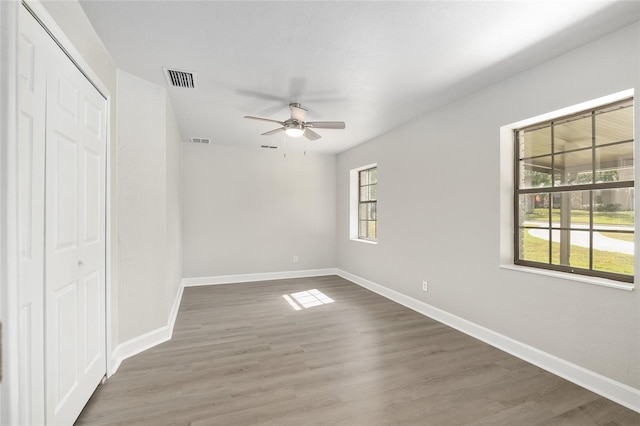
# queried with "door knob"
point(80, 263)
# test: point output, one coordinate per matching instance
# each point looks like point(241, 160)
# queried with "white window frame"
point(354, 199)
point(507, 189)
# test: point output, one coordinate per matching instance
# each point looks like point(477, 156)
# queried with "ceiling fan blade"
point(297, 112)
point(264, 119)
point(311, 135)
point(262, 95)
point(326, 124)
point(274, 131)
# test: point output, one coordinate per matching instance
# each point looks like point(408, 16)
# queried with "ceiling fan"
point(296, 126)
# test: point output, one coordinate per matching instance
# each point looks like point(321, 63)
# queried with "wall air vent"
point(200, 140)
point(180, 78)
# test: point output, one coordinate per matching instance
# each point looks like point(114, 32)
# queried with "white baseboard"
point(148, 340)
point(265, 276)
point(138, 344)
point(174, 310)
point(618, 392)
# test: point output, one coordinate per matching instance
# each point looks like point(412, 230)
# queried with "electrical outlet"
point(295, 259)
point(425, 286)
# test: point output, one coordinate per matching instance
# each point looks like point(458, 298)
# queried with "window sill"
point(364, 241)
point(572, 277)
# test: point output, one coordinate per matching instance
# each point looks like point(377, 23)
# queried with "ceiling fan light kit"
point(295, 126)
point(294, 130)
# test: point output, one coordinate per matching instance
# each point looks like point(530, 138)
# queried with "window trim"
point(506, 197)
point(354, 198)
point(361, 202)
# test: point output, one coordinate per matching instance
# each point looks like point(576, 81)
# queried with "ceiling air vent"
point(180, 78)
point(200, 140)
point(269, 146)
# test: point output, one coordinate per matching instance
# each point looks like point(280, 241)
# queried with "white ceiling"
point(374, 65)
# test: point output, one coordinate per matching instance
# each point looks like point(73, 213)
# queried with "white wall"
point(439, 209)
point(142, 213)
point(149, 262)
point(250, 210)
point(173, 207)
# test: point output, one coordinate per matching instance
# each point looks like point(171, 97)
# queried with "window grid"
point(558, 192)
point(367, 204)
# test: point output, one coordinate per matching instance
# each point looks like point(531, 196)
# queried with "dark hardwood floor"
point(242, 355)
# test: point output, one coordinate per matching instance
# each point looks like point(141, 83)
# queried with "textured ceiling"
point(374, 65)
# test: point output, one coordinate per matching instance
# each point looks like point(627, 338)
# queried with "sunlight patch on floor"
point(307, 299)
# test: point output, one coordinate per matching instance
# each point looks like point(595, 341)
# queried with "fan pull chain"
point(284, 144)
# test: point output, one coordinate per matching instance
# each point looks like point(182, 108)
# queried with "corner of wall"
point(147, 340)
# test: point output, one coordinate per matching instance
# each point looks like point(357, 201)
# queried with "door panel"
point(64, 348)
point(93, 342)
point(26, 151)
point(92, 202)
point(33, 43)
point(65, 181)
point(94, 117)
point(67, 97)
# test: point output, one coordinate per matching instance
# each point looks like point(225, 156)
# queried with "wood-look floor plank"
point(241, 355)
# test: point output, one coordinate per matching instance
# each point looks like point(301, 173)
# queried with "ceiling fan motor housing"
point(292, 123)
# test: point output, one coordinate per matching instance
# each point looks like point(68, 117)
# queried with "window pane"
point(613, 252)
point(535, 172)
point(534, 209)
point(571, 135)
point(362, 211)
point(364, 177)
point(373, 192)
point(373, 176)
point(362, 229)
point(570, 248)
point(614, 163)
point(613, 262)
point(570, 209)
point(371, 211)
point(535, 142)
point(364, 193)
point(573, 168)
point(614, 208)
point(614, 126)
point(534, 245)
point(372, 229)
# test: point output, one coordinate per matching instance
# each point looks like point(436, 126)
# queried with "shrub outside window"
point(574, 193)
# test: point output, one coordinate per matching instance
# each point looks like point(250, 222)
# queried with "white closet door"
point(34, 44)
point(74, 240)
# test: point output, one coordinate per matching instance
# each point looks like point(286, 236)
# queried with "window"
point(574, 193)
point(363, 204)
point(367, 201)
